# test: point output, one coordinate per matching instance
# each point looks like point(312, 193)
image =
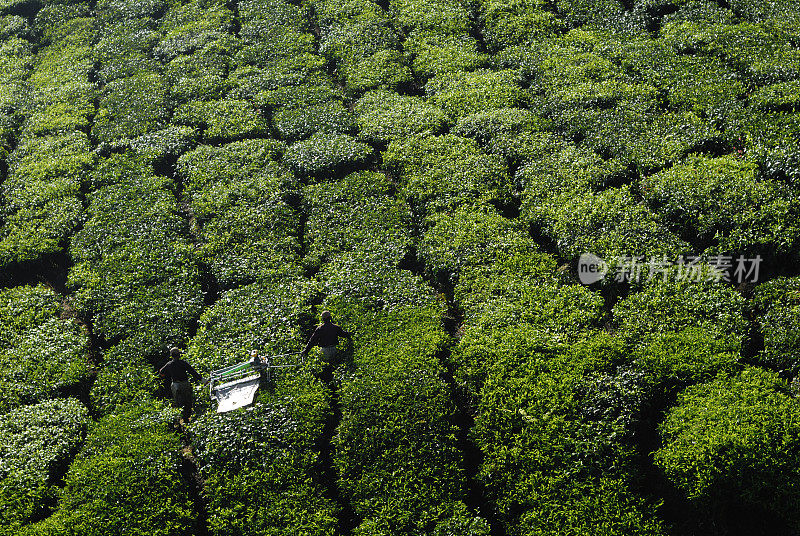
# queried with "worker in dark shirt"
point(326, 336)
point(178, 371)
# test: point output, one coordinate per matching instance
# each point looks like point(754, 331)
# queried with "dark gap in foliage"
point(50, 270)
point(325, 475)
point(190, 472)
point(233, 5)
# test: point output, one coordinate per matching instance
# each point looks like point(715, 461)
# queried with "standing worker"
point(326, 336)
point(177, 371)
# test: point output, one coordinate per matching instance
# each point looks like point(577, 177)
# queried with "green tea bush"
point(442, 172)
point(506, 24)
point(368, 276)
point(43, 361)
point(198, 77)
point(258, 463)
point(41, 192)
point(224, 120)
point(770, 140)
point(609, 224)
point(460, 94)
point(729, 445)
point(471, 237)
point(36, 442)
point(595, 12)
point(395, 450)
point(168, 142)
point(216, 177)
point(125, 50)
point(356, 214)
point(440, 54)
point(299, 123)
point(721, 202)
point(240, 197)
point(299, 96)
point(394, 404)
point(124, 380)
point(777, 305)
point(513, 133)
point(126, 480)
point(264, 317)
point(131, 107)
point(13, 26)
point(780, 97)
point(325, 153)
point(193, 26)
point(672, 303)
point(441, 16)
point(549, 465)
point(384, 116)
point(133, 270)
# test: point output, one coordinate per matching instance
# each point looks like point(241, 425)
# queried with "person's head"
point(175, 353)
point(325, 316)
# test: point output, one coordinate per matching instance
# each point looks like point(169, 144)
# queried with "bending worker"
point(326, 336)
point(177, 371)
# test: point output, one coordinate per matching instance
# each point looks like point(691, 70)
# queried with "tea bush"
point(440, 54)
point(37, 441)
point(133, 271)
point(42, 207)
point(729, 446)
point(721, 202)
point(547, 459)
point(609, 224)
point(394, 404)
point(356, 214)
point(131, 107)
point(125, 480)
point(265, 317)
point(471, 237)
point(298, 123)
point(460, 94)
point(224, 120)
point(240, 197)
point(258, 463)
point(327, 154)
point(384, 116)
point(507, 24)
point(668, 303)
point(777, 304)
point(441, 172)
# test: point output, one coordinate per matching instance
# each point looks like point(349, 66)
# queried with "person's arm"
point(162, 372)
point(311, 341)
point(345, 334)
point(196, 375)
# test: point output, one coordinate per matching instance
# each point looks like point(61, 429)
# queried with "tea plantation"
point(212, 175)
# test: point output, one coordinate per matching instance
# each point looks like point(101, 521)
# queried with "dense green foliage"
point(213, 174)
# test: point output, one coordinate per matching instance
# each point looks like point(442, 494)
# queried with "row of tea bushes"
point(43, 353)
point(42, 196)
point(396, 451)
point(134, 275)
point(242, 201)
point(37, 442)
point(363, 45)
point(125, 480)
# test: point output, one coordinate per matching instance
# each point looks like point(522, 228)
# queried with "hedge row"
point(242, 201)
point(133, 273)
point(43, 354)
point(42, 193)
point(125, 480)
point(260, 464)
point(360, 40)
point(37, 441)
point(439, 37)
point(396, 452)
